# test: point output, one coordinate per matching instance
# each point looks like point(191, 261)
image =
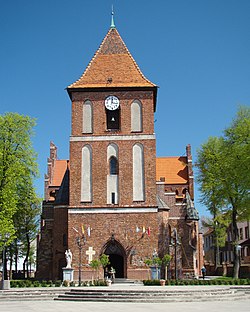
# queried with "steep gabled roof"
point(112, 66)
point(59, 172)
point(173, 169)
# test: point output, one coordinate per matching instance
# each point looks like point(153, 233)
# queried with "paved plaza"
point(63, 306)
point(238, 305)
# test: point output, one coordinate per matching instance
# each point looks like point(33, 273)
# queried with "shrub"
point(14, 284)
point(99, 283)
point(217, 281)
point(28, 283)
point(44, 283)
point(151, 282)
point(21, 283)
point(36, 284)
point(50, 283)
point(58, 283)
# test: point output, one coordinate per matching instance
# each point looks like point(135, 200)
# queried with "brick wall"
point(123, 227)
point(99, 121)
point(59, 243)
point(99, 148)
point(100, 170)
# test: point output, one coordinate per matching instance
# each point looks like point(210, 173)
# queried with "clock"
point(112, 102)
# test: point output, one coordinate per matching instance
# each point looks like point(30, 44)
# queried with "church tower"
point(112, 194)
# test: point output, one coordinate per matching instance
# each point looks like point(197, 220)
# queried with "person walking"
point(203, 272)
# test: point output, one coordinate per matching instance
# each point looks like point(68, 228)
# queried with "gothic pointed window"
point(112, 174)
point(113, 165)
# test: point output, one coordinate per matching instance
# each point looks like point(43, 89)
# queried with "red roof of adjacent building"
point(173, 169)
point(112, 66)
point(59, 170)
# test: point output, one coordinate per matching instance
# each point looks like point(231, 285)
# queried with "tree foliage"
point(223, 174)
point(19, 204)
point(103, 261)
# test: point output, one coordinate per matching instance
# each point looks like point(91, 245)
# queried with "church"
point(114, 196)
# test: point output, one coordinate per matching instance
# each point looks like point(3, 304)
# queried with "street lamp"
point(80, 241)
point(5, 284)
point(175, 243)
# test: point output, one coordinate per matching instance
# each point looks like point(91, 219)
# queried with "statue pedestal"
point(68, 274)
point(5, 285)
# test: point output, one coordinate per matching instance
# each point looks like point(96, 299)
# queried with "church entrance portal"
point(117, 257)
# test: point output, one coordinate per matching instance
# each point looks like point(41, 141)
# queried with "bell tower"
point(112, 155)
point(112, 143)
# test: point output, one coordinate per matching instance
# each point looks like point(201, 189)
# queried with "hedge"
point(216, 281)
point(44, 283)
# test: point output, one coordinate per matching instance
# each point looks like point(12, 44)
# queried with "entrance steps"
point(30, 294)
point(153, 295)
point(125, 293)
point(125, 281)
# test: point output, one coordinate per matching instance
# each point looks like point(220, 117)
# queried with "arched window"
point(112, 174)
point(112, 150)
point(87, 117)
point(138, 173)
point(136, 116)
point(86, 178)
point(113, 165)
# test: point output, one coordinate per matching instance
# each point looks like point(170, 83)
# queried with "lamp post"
point(80, 241)
point(175, 243)
point(5, 283)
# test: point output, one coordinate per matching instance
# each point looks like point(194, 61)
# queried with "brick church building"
point(114, 196)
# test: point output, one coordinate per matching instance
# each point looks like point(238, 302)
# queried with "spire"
point(112, 18)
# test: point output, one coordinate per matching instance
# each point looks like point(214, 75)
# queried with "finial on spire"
point(112, 18)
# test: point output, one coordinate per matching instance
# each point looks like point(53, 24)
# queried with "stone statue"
point(192, 213)
point(68, 255)
point(155, 254)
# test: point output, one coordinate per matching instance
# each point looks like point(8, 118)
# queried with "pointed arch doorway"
point(117, 257)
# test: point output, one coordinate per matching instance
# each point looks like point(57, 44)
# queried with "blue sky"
point(196, 51)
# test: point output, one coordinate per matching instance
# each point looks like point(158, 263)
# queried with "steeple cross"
point(112, 18)
point(90, 252)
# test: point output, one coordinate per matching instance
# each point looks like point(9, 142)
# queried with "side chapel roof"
point(173, 169)
point(59, 172)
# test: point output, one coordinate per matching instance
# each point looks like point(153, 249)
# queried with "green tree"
point(26, 220)
point(236, 180)
point(17, 167)
point(165, 263)
point(104, 260)
point(223, 173)
point(209, 159)
point(95, 264)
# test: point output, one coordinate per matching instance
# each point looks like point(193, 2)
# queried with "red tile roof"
point(58, 172)
point(112, 66)
point(173, 169)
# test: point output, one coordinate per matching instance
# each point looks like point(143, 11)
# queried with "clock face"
point(112, 102)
